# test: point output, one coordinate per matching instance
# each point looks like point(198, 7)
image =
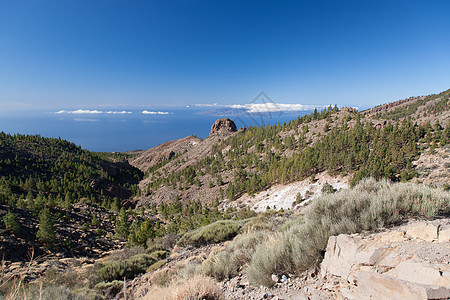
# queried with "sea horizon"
point(119, 129)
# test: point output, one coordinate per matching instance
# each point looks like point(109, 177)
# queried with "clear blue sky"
point(58, 54)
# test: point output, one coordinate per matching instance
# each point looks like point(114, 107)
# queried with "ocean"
point(108, 130)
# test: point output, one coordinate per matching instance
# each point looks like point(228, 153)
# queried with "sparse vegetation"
point(368, 206)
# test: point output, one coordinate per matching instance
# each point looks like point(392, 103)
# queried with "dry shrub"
point(163, 277)
point(189, 270)
point(159, 293)
point(197, 287)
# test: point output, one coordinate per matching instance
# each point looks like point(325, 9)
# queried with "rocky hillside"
point(234, 164)
point(161, 154)
point(198, 150)
point(421, 109)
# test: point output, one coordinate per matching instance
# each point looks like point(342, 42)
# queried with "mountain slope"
point(382, 142)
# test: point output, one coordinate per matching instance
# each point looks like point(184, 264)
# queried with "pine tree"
point(11, 223)
point(46, 232)
point(122, 227)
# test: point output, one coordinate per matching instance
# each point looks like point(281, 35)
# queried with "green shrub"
point(159, 254)
point(328, 188)
point(368, 206)
point(113, 270)
point(129, 268)
point(216, 232)
point(156, 265)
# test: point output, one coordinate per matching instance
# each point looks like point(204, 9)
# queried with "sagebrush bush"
point(216, 232)
point(239, 252)
point(269, 220)
point(368, 206)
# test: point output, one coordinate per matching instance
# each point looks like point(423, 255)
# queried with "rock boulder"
point(224, 126)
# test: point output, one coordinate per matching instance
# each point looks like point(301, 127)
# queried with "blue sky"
point(82, 54)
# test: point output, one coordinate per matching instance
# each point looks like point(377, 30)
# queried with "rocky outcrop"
point(409, 262)
point(224, 126)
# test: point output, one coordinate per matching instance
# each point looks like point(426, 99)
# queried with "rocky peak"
point(223, 125)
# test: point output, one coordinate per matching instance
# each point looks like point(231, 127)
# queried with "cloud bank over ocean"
point(232, 109)
point(94, 111)
point(268, 107)
point(148, 112)
point(273, 107)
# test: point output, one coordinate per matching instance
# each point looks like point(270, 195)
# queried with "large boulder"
point(224, 126)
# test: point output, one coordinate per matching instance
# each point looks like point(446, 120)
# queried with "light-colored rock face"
point(407, 262)
point(422, 231)
point(376, 286)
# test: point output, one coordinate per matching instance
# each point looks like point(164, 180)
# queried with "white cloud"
point(147, 112)
point(85, 111)
point(208, 104)
point(266, 107)
point(275, 107)
point(119, 112)
point(94, 111)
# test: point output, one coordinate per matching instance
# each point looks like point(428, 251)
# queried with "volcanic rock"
point(223, 125)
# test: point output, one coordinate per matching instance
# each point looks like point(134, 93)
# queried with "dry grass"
point(197, 287)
